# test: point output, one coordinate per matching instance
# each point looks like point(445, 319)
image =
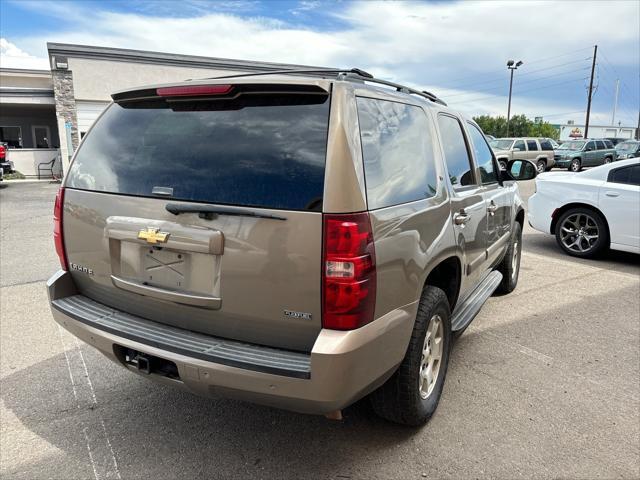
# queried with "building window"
point(41, 136)
point(12, 136)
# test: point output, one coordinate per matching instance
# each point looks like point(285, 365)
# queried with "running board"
point(466, 311)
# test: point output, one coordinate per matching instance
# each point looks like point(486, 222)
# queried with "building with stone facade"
point(44, 114)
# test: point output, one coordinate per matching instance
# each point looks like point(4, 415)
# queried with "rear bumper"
point(341, 368)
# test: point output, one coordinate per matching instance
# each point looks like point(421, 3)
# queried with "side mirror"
point(588, 149)
point(521, 170)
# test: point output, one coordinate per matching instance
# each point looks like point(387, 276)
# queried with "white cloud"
point(438, 45)
point(13, 57)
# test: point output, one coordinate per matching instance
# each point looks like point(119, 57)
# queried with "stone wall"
point(65, 112)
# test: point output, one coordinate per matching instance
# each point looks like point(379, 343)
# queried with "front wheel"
point(411, 395)
point(576, 165)
point(582, 232)
point(510, 265)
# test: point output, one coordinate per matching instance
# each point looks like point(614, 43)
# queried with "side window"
point(627, 175)
point(591, 146)
point(600, 145)
point(546, 145)
point(519, 145)
point(455, 152)
point(532, 145)
point(397, 148)
point(483, 155)
point(608, 144)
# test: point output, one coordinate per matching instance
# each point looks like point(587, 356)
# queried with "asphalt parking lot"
point(544, 384)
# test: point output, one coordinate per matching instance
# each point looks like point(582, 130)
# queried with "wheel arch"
point(560, 211)
point(447, 275)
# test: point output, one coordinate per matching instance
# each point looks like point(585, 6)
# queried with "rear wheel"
point(541, 165)
point(582, 232)
point(608, 160)
point(510, 265)
point(576, 165)
point(411, 395)
point(502, 164)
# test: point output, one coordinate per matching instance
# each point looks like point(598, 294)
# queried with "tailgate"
point(205, 214)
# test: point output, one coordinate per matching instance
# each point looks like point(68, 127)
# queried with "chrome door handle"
point(612, 194)
point(461, 218)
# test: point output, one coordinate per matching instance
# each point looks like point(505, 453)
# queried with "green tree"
point(519, 126)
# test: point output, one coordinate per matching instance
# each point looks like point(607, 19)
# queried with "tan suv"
point(296, 239)
point(537, 150)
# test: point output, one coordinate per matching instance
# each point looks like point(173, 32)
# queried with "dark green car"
point(576, 154)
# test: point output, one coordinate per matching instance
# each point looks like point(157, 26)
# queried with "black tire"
point(502, 164)
point(575, 165)
point(510, 267)
point(399, 399)
point(597, 247)
point(541, 166)
point(608, 160)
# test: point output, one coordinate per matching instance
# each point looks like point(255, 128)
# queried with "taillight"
point(58, 238)
point(3, 152)
point(193, 90)
point(348, 271)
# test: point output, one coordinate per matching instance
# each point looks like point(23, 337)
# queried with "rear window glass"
point(397, 148)
point(261, 150)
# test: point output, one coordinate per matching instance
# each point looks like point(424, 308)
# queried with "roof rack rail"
point(346, 74)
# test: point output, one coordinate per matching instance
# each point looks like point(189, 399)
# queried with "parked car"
point(628, 149)
point(5, 164)
point(540, 152)
point(576, 154)
point(615, 141)
point(324, 240)
point(553, 143)
point(590, 211)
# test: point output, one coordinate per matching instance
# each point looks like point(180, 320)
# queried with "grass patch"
point(14, 176)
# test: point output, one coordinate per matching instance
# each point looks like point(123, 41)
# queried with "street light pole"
point(511, 65)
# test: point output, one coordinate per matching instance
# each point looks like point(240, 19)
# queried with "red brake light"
point(348, 271)
point(2, 151)
point(58, 238)
point(193, 90)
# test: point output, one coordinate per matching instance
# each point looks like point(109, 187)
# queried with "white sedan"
point(591, 210)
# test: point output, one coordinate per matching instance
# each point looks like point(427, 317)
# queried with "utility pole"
point(638, 129)
point(615, 102)
point(593, 70)
point(511, 65)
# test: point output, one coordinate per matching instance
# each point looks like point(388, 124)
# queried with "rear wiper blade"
point(208, 212)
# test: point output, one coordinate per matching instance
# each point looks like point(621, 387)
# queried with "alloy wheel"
point(431, 356)
point(575, 166)
point(579, 233)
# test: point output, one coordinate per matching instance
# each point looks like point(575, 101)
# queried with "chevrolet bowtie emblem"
point(153, 235)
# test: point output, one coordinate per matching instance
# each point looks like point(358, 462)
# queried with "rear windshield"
point(261, 151)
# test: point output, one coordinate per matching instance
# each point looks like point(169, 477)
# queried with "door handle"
point(204, 301)
point(612, 194)
point(492, 208)
point(461, 218)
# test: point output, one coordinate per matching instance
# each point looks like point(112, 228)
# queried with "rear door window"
point(532, 145)
point(456, 152)
point(397, 149)
point(600, 145)
point(259, 150)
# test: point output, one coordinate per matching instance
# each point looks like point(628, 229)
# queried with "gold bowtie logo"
point(153, 235)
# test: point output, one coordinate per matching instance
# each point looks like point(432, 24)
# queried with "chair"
point(46, 167)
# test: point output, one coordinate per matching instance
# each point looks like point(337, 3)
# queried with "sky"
point(458, 50)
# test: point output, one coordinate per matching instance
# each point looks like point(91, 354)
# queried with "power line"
point(520, 91)
point(516, 83)
point(528, 63)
